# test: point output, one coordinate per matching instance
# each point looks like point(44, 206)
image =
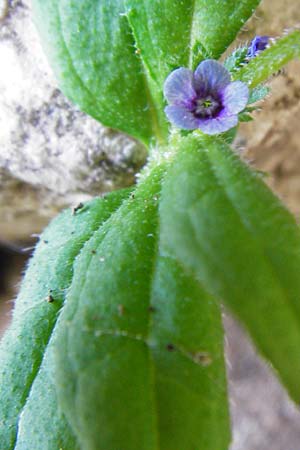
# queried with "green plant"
point(117, 341)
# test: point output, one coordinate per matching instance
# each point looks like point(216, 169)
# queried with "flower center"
point(207, 107)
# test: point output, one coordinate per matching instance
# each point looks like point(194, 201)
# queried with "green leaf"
point(111, 58)
point(42, 425)
point(230, 135)
point(245, 117)
point(258, 93)
point(171, 34)
point(92, 51)
point(139, 345)
point(162, 31)
point(270, 60)
point(219, 220)
point(216, 24)
point(236, 60)
point(49, 273)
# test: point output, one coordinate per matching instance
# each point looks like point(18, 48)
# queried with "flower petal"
point(217, 125)
point(235, 97)
point(178, 87)
point(258, 44)
point(181, 117)
point(210, 76)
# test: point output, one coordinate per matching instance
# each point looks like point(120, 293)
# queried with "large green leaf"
point(139, 345)
point(91, 48)
point(111, 58)
point(177, 33)
point(270, 60)
point(162, 31)
point(42, 424)
point(219, 220)
point(23, 346)
point(217, 22)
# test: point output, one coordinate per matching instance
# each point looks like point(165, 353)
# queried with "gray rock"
point(263, 416)
point(3, 9)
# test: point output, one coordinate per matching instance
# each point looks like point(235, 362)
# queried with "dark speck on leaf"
point(170, 347)
point(77, 208)
point(50, 298)
point(96, 317)
point(93, 251)
point(151, 309)
point(121, 310)
point(203, 358)
point(45, 241)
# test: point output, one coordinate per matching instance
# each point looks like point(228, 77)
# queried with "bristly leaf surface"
point(220, 220)
point(36, 310)
point(139, 346)
point(111, 58)
point(270, 60)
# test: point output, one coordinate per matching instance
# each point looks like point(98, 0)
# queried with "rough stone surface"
point(12, 264)
point(272, 140)
point(52, 155)
point(263, 416)
point(3, 9)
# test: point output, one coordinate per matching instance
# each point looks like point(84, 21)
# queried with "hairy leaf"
point(170, 34)
point(216, 23)
point(245, 117)
point(258, 93)
point(270, 60)
point(219, 220)
point(111, 58)
point(236, 60)
point(42, 424)
point(139, 346)
point(162, 31)
point(91, 48)
point(41, 297)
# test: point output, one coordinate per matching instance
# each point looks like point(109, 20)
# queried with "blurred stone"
point(272, 141)
point(263, 416)
point(3, 8)
point(12, 264)
point(25, 209)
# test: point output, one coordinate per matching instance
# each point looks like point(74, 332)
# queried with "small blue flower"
point(205, 99)
point(258, 44)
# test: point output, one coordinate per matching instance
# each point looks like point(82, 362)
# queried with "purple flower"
point(205, 99)
point(258, 44)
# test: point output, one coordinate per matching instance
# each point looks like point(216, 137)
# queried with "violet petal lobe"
point(178, 87)
point(258, 44)
point(210, 76)
point(217, 125)
point(235, 97)
point(181, 117)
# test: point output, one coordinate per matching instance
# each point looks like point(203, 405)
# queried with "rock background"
point(52, 156)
